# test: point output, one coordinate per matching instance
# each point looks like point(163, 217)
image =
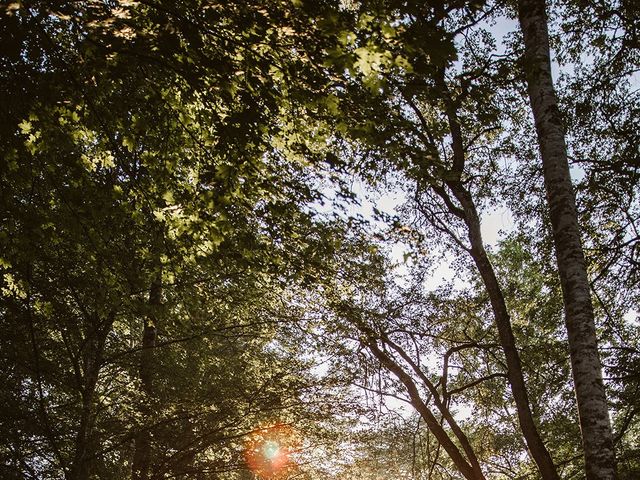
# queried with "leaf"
point(168, 197)
point(25, 126)
point(129, 143)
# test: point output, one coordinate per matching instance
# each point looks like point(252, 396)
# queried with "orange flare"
point(268, 451)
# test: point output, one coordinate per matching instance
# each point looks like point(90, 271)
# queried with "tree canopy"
point(320, 239)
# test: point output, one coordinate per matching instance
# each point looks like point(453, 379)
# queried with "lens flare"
point(271, 450)
point(268, 451)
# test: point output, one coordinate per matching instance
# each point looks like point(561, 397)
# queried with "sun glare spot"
point(268, 451)
point(271, 449)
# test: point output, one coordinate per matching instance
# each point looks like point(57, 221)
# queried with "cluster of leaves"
point(166, 275)
point(138, 148)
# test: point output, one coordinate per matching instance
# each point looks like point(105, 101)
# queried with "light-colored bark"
point(585, 361)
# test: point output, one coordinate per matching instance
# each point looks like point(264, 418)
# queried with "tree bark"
point(85, 442)
point(469, 214)
point(536, 446)
point(464, 467)
point(441, 406)
point(468, 466)
point(141, 464)
point(585, 362)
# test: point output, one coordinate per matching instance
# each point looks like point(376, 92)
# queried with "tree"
point(130, 164)
point(190, 283)
point(579, 317)
point(412, 137)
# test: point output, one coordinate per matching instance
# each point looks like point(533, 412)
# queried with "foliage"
point(209, 172)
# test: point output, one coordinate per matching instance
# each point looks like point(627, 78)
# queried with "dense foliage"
point(202, 275)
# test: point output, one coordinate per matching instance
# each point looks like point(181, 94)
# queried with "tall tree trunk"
point(469, 214)
point(585, 361)
point(141, 464)
point(534, 442)
point(85, 443)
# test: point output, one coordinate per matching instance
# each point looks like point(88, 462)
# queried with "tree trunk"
point(534, 442)
point(469, 214)
point(469, 471)
point(469, 467)
point(441, 405)
point(141, 464)
point(585, 361)
point(85, 443)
